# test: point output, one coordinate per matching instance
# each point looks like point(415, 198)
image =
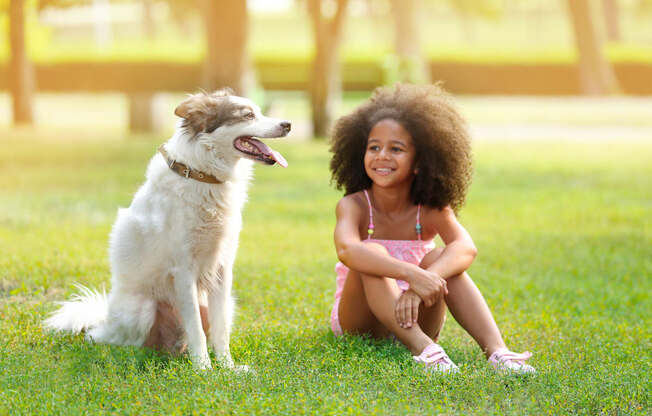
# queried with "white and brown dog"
point(172, 251)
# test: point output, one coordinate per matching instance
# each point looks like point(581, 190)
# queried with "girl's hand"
point(429, 286)
point(407, 309)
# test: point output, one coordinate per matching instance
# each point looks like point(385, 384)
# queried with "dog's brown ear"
point(194, 112)
point(183, 110)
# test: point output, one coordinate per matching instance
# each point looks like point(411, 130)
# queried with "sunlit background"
point(558, 95)
point(575, 69)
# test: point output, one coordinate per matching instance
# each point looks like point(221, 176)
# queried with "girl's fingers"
point(397, 312)
point(408, 315)
point(415, 310)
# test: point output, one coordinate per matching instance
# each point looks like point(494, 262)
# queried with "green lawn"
point(564, 231)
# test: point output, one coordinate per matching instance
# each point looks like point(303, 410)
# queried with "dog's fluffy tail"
point(84, 311)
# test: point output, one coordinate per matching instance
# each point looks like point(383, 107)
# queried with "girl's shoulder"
point(356, 198)
point(436, 213)
point(354, 203)
point(430, 210)
point(432, 217)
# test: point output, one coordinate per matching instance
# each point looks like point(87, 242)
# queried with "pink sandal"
point(503, 360)
point(434, 358)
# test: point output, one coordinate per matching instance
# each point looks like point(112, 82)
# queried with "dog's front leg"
point(220, 317)
point(185, 287)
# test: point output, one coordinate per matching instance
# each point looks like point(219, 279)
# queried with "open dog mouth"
point(259, 151)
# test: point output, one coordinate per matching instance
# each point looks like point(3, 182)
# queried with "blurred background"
point(520, 69)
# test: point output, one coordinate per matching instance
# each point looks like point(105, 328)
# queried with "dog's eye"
point(250, 116)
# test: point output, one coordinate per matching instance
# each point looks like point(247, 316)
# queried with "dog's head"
point(232, 124)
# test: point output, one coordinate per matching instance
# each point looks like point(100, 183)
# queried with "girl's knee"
point(378, 248)
point(430, 258)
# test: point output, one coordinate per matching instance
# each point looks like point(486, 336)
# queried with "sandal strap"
point(505, 355)
point(433, 354)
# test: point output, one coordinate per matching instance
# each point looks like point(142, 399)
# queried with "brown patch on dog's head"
point(204, 112)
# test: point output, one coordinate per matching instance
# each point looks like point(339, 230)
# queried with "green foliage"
point(563, 230)
point(42, 4)
point(403, 69)
point(288, 37)
point(644, 6)
point(484, 8)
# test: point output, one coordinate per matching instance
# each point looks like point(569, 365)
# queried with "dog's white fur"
point(177, 241)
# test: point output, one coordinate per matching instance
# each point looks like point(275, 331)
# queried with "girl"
point(404, 161)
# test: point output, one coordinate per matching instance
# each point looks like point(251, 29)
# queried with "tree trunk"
point(407, 42)
point(149, 23)
point(21, 73)
point(596, 73)
point(612, 19)
point(466, 25)
point(102, 26)
point(227, 62)
point(325, 87)
point(141, 112)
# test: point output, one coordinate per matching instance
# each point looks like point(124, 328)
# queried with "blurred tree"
point(644, 6)
point(227, 63)
point(327, 19)
point(595, 71)
point(149, 24)
point(612, 19)
point(42, 4)
point(182, 13)
point(466, 9)
point(22, 83)
point(411, 64)
point(21, 72)
point(226, 28)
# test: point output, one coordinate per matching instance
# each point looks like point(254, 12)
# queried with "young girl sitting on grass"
point(404, 161)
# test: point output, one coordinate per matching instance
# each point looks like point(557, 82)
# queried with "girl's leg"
point(367, 306)
point(431, 320)
point(469, 308)
point(354, 313)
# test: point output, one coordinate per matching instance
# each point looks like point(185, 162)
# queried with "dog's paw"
point(242, 369)
point(202, 363)
point(226, 361)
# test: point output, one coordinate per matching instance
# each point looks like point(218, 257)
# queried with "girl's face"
point(390, 154)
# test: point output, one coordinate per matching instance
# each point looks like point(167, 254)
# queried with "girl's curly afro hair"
point(439, 133)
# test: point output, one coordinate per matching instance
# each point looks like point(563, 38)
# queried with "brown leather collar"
point(185, 171)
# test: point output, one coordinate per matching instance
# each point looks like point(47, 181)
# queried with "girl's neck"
point(390, 200)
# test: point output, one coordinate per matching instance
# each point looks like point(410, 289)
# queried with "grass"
point(564, 232)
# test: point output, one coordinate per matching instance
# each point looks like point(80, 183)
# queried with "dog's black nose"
point(286, 125)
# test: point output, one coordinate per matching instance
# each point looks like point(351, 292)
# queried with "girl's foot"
point(434, 358)
point(503, 360)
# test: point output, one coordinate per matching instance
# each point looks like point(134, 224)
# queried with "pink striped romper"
point(411, 251)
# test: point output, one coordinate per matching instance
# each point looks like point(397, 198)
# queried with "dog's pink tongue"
point(279, 158)
point(270, 152)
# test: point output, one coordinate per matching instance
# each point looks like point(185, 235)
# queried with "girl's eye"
point(396, 149)
point(374, 148)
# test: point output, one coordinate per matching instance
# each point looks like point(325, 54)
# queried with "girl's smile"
point(383, 171)
point(390, 153)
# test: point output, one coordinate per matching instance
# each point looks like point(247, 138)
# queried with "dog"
point(172, 251)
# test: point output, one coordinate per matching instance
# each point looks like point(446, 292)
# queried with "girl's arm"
point(459, 252)
point(361, 257)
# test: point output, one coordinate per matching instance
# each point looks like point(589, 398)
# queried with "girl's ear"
point(416, 171)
